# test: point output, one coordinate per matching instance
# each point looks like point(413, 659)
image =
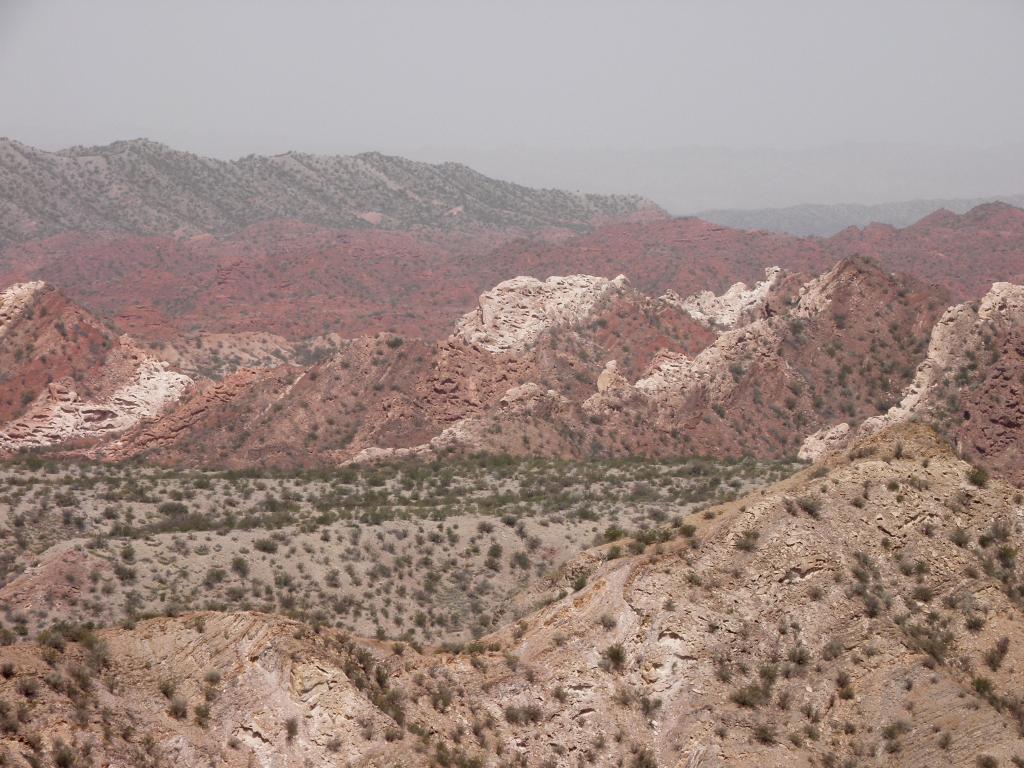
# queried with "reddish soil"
point(282, 277)
point(300, 280)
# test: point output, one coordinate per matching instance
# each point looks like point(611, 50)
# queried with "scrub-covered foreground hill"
point(866, 611)
point(430, 553)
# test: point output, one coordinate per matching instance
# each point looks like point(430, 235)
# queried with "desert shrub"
point(747, 540)
point(178, 707)
point(202, 715)
point(751, 695)
point(995, 655)
point(63, 755)
point(832, 650)
point(530, 713)
point(810, 504)
point(977, 476)
point(615, 655)
point(960, 537)
point(172, 509)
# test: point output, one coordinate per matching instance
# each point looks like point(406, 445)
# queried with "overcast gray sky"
point(229, 77)
point(452, 77)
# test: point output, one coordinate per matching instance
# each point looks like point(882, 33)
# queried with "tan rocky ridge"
point(866, 611)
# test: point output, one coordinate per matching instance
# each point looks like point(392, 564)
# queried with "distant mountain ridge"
point(144, 187)
point(827, 220)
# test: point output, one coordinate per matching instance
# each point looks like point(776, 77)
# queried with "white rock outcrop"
point(669, 372)
point(60, 414)
point(738, 304)
point(15, 299)
point(611, 379)
point(712, 370)
point(824, 441)
point(513, 314)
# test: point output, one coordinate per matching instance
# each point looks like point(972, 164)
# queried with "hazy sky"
point(225, 77)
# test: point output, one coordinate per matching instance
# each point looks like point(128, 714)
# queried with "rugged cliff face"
point(389, 395)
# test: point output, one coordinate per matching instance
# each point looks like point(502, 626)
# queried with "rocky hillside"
point(578, 366)
point(970, 386)
point(66, 376)
point(148, 188)
point(44, 337)
point(964, 253)
point(864, 612)
point(287, 278)
point(388, 392)
point(568, 367)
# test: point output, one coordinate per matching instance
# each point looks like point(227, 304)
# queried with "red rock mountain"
point(45, 338)
point(576, 366)
point(368, 263)
point(285, 277)
point(572, 367)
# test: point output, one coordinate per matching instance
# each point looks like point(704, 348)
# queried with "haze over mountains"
point(814, 191)
point(826, 220)
point(809, 192)
point(511, 385)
